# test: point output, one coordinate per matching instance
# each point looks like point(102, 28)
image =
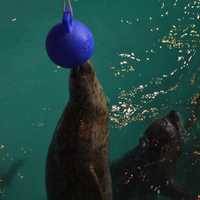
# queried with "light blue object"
point(69, 43)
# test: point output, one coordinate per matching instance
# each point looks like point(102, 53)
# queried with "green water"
point(146, 58)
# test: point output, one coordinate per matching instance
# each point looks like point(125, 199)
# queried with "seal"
point(6, 178)
point(191, 166)
point(77, 166)
point(150, 168)
point(191, 157)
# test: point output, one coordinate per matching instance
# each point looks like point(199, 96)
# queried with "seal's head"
point(164, 137)
point(82, 80)
point(86, 90)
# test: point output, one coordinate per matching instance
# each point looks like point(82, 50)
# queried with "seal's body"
point(149, 169)
point(77, 165)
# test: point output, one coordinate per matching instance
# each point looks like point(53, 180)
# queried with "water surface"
point(147, 58)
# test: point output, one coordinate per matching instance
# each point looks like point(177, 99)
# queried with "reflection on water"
point(182, 40)
point(127, 64)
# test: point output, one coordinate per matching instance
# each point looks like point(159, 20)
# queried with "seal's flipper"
point(175, 192)
point(148, 197)
point(93, 188)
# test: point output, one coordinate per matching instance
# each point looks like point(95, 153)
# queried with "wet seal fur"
point(149, 169)
point(77, 166)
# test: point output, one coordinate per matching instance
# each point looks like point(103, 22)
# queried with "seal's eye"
point(164, 123)
point(144, 142)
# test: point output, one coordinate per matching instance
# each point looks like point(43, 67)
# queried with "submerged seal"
point(7, 177)
point(77, 165)
point(149, 169)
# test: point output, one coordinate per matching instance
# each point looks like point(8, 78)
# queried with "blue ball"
point(70, 43)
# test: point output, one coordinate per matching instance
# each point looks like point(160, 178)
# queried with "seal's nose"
point(175, 119)
point(174, 116)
